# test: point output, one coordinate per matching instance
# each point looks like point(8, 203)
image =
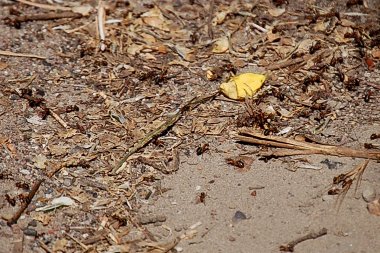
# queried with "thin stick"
point(58, 119)
point(303, 60)
point(313, 235)
point(101, 18)
point(46, 16)
point(44, 246)
point(77, 241)
point(30, 196)
point(308, 148)
point(9, 53)
point(162, 128)
point(28, 200)
point(45, 6)
point(377, 86)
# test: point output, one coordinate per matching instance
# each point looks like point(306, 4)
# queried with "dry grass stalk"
point(101, 25)
point(9, 53)
point(302, 147)
point(342, 183)
point(46, 6)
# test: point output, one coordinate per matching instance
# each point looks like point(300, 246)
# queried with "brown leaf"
point(220, 45)
point(374, 207)
point(3, 65)
point(156, 19)
point(376, 54)
point(276, 12)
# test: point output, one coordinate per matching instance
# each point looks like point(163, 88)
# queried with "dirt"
point(71, 109)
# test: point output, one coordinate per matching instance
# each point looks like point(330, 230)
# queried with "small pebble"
point(369, 194)
point(178, 249)
point(14, 97)
point(239, 216)
point(25, 172)
point(49, 190)
point(231, 238)
point(67, 182)
point(32, 223)
point(30, 232)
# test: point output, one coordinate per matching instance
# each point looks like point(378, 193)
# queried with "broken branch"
point(313, 235)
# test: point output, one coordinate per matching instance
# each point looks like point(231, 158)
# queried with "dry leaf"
point(239, 63)
point(3, 65)
point(67, 133)
point(60, 245)
point(220, 45)
point(242, 86)
point(42, 217)
point(276, 12)
point(272, 36)
point(39, 161)
point(57, 202)
point(179, 62)
point(149, 39)
point(58, 150)
point(155, 19)
point(185, 53)
point(320, 27)
point(83, 9)
point(134, 49)
point(376, 54)
point(35, 120)
point(374, 207)
point(219, 18)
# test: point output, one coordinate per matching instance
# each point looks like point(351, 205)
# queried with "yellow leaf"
point(242, 86)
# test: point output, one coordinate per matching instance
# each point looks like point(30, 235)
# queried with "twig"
point(45, 6)
point(58, 119)
point(342, 183)
point(373, 85)
point(44, 16)
point(162, 128)
point(209, 20)
point(9, 53)
point(261, 29)
point(77, 241)
point(100, 19)
point(32, 193)
point(302, 147)
point(303, 60)
point(313, 235)
point(28, 200)
point(44, 246)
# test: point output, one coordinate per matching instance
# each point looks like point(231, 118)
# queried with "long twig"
point(36, 186)
point(302, 147)
point(45, 6)
point(162, 128)
point(28, 200)
point(101, 25)
point(313, 235)
point(9, 53)
point(45, 16)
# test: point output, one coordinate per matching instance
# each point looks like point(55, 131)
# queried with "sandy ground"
point(289, 205)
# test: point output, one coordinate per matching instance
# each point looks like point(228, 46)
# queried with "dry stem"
point(301, 147)
point(313, 235)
